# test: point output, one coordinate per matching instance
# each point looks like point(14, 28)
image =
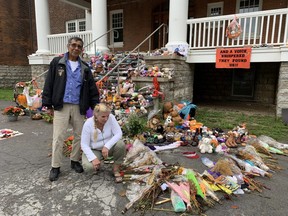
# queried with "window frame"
point(238, 6)
point(116, 44)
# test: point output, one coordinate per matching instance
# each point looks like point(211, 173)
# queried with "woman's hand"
point(105, 152)
point(96, 164)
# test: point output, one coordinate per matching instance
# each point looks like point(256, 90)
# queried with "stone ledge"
point(168, 57)
point(150, 79)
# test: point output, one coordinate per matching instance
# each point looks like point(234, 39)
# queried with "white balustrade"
point(58, 42)
point(262, 28)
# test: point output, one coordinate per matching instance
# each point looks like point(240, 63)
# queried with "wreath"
point(233, 30)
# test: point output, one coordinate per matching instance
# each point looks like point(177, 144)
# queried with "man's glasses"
point(74, 45)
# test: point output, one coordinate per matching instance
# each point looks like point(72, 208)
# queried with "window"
point(75, 25)
point(215, 9)
point(243, 82)
point(82, 26)
point(116, 22)
point(246, 6)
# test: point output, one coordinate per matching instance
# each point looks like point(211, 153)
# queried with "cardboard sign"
point(233, 58)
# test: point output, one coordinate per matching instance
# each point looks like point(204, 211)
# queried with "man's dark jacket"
point(55, 83)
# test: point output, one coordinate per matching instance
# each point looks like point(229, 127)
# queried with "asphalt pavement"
point(26, 190)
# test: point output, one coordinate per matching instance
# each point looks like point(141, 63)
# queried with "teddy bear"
point(153, 123)
point(168, 110)
point(205, 145)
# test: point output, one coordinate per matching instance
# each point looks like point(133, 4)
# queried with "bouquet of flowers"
point(67, 147)
point(12, 110)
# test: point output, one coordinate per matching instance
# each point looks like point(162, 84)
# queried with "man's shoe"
point(77, 166)
point(54, 174)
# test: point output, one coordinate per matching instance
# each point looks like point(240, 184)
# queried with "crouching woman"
point(100, 139)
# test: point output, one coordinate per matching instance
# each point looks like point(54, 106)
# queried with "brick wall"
point(17, 31)
point(61, 12)
point(142, 17)
point(8, 78)
point(266, 82)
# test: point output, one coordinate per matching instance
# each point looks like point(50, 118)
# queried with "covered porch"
point(264, 31)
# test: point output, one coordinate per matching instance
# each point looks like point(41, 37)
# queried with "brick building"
point(18, 40)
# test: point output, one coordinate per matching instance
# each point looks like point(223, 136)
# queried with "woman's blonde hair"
point(101, 107)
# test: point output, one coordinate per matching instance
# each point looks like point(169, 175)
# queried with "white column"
point(99, 25)
point(178, 15)
point(88, 19)
point(42, 26)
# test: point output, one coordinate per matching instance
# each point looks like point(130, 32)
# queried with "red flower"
point(11, 110)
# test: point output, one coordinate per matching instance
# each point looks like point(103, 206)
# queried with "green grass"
point(6, 94)
point(256, 124)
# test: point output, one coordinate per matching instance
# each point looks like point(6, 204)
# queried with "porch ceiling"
point(84, 4)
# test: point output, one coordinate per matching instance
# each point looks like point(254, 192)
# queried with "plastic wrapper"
point(233, 30)
point(270, 141)
point(140, 155)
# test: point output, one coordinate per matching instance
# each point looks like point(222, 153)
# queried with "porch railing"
point(58, 42)
point(262, 28)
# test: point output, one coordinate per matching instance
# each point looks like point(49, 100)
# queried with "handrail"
point(99, 38)
point(163, 24)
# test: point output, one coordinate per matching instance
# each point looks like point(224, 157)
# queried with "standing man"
point(69, 90)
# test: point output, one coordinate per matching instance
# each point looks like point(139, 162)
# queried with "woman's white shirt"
point(110, 135)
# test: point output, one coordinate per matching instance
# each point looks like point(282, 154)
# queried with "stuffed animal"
point(205, 145)
point(127, 87)
point(169, 125)
point(153, 123)
point(167, 107)
point(168, 120)
point(230, 142)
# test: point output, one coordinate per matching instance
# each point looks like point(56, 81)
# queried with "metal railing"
point(95, 41)
point(260, 28)
point(133, 51)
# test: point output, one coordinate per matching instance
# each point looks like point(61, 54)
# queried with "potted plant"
point(134, 126)
point(12, 112)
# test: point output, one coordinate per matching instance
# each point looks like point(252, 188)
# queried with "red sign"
point(233, 58)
